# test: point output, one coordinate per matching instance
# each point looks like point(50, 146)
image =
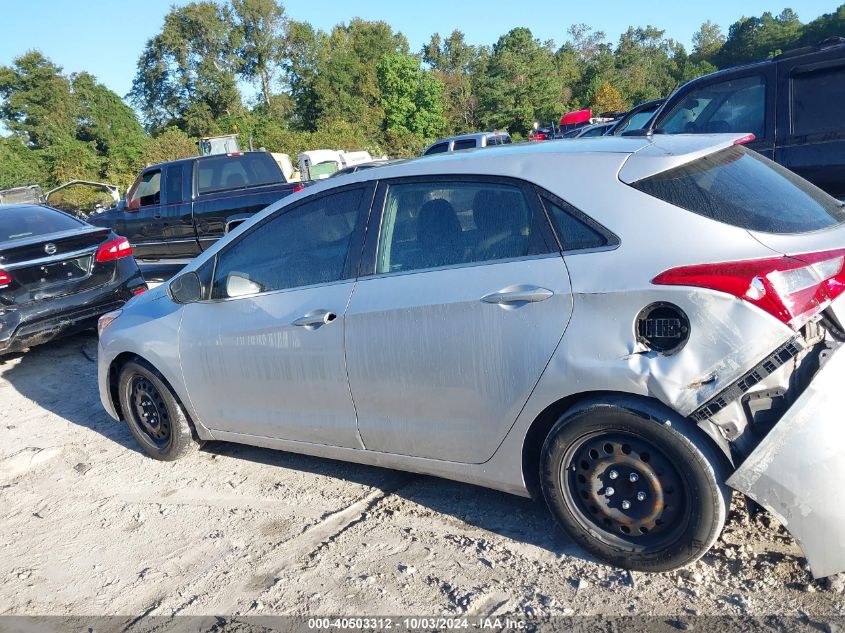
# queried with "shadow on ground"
point(61, 377)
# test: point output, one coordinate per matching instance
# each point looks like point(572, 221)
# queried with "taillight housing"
point(5, 279)
point(793, 289)
point(113, 249)
point(297, 188)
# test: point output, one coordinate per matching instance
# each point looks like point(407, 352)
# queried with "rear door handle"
point(518, 295)
point(315, 319)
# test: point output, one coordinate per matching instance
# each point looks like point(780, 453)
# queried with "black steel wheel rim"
point(624, 489)
point(149, 410)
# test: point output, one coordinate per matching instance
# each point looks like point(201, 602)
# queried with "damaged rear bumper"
point(797, 470)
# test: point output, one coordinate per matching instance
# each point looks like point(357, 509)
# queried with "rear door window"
point(739, 187)
point(438, 224)
point(221, 173)
point(818, 101)
point(29, 221)
point(173, 184)
point(736, 105)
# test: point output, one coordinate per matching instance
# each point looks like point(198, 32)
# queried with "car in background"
point(588, 131)
point(177, 209)
point(791, 103)
point(467, 141)
point(58, 275)
point(361, 166)
point(636, 118)
point(488, 318)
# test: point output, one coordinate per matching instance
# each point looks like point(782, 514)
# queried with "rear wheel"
point(154, 415)
point(633, 490)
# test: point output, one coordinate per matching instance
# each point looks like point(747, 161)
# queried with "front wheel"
point(154, 415)
point(633, 490)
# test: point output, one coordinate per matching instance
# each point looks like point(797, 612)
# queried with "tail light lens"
point(793, 289)
point(298, 188)
point(5, 279)
point(113, 249)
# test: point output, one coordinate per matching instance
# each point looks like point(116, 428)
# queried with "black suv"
point(794, 104)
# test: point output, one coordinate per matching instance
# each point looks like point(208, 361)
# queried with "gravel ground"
point(89, 526)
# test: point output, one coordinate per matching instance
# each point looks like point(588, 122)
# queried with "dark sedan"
point(58, 274)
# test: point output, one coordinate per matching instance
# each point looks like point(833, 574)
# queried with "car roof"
point(658, 152)
point(188, 159)
point(791, 54)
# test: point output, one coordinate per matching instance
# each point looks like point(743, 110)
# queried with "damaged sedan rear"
point(625, 327)
point(58, 275)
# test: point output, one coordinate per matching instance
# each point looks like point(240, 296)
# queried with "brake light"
point(298, 188)
point(748, 138)
point(139, 290)
point(235, 154)
point(113, 249)
point(793, 289)
point(5, 279)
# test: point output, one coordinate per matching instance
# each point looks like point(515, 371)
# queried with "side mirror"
point(186, 288)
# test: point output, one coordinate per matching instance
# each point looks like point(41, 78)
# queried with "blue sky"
point(105, 37)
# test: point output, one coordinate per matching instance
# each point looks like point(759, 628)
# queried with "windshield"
point(22, 222)
point(739, 187)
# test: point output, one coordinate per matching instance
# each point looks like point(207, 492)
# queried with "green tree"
point(168, 144)
point(262, 50)
point(707, 41)
point(20, 165)
point(458, 66)
point(186, 75)
point(521, 86)
point(411, 98)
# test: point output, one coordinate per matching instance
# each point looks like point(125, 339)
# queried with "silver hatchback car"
point(625, 327)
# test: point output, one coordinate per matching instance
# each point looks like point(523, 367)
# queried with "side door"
point(176, 216)
point(461, 301)
point(741, 103)
point(142, 219)
point(263, 356)
point(811, 119)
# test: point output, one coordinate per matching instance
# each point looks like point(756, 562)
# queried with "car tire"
point(634, 484)
point(156, 419)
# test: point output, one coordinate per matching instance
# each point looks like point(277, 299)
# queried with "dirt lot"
point(88, 525)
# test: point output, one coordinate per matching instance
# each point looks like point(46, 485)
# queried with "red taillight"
point(139, 290)
point(5, 279)
point(748, 138)
point(298, 188)
point(113, 249)
point(793, 289)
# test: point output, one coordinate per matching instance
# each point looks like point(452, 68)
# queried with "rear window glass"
point(236, 172)
point(741, 188)
point(22, 222)
point(817, 99)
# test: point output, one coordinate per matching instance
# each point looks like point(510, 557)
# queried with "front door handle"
point(315, 319)
point(514, 295)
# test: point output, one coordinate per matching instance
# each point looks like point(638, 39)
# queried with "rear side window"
point(236, 172)
point(817, 101)
point(438, 224)
point(575, 231)
point(23, 222)
point(468, 143)
point(741, 188)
